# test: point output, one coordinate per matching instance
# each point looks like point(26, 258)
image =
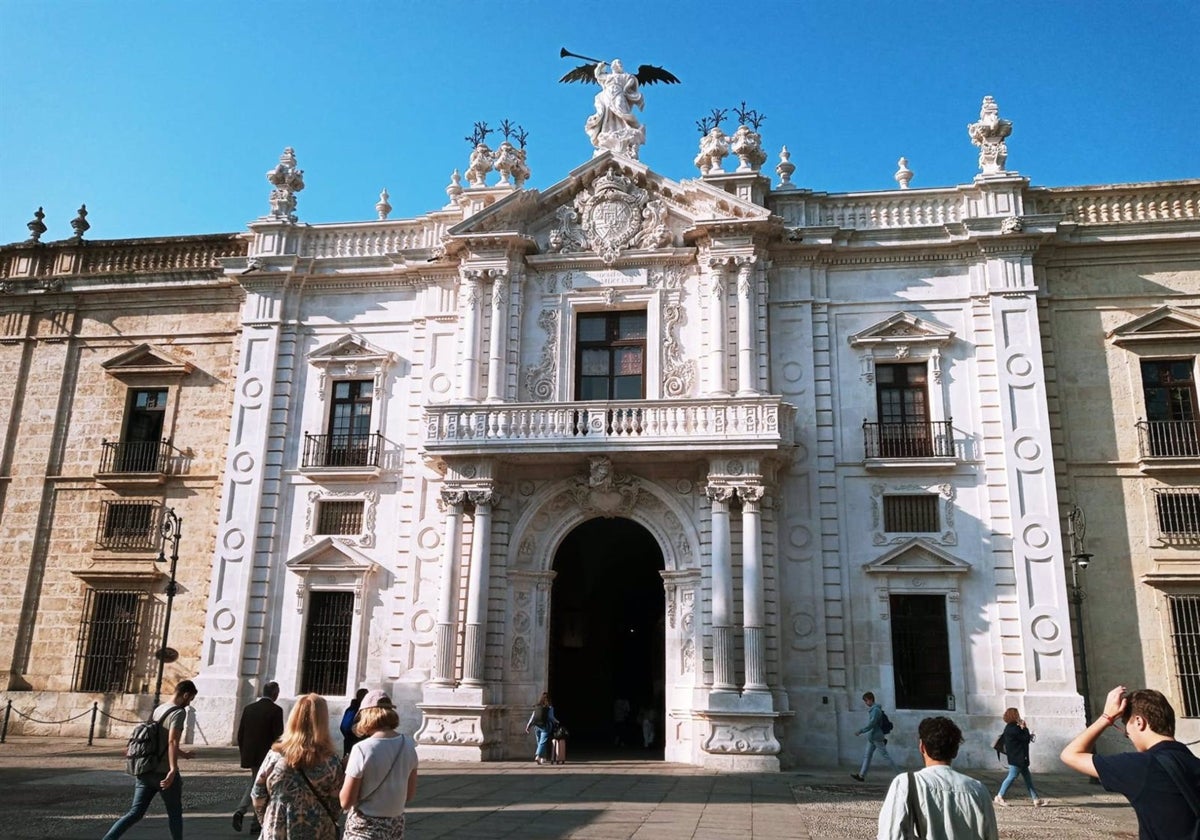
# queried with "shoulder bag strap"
point(392, 767)
point(914, 808)
point(318, 796)
point(167, 748)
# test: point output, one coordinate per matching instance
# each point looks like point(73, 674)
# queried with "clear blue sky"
point(164, 116)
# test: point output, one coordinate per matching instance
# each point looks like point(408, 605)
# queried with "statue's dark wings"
point(647, 74)
point(583, 73)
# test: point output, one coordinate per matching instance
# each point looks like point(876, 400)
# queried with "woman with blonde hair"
point(381, 773)
point(1016, 739)
point(295, 791)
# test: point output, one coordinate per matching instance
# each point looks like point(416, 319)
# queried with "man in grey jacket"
point(876, 740)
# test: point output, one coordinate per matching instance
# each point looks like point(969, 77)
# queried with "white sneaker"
point(1040, 803)
point(999, 800)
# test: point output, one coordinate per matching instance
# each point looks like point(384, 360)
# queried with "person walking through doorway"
point(1016, 739)
point(542, 722)
point(261, 724)
point(876, 739)
point(164, 778)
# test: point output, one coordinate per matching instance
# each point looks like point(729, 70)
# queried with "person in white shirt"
point(381, 773)
point(942, 804)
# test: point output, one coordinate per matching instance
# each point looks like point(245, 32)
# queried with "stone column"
point(469, 384)
point(753, 605)
point(498, 337)
point(477, 588)
point(717, 361)
point(722, 590)
point(747, 384)
point(451, 502)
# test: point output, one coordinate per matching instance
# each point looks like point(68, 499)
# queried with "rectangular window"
point(610, 358)
point(1169, 388)
point(339, 517)
point(141, 447)
point(910, 514)
point(1178, 512)
point(128, 526)
point(326, 663)
point(1185, 639)
point(903, 405)
point(349, 442)
point(108, 639)
point(920, 651)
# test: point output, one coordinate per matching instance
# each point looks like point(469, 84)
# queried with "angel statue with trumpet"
point(614, 125)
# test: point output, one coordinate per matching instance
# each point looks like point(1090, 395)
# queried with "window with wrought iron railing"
point(128, 526)
point(910, 513)
point(326, 662)
point(1178, 510)
point(337, 517)
point(108, 640)
point(1185, 639)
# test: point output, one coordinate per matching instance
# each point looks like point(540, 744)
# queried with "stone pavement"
point(60, 788)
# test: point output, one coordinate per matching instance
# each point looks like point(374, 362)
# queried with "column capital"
point(451, 497)
point(719, 492)
point(483, 496)
point(752, 493)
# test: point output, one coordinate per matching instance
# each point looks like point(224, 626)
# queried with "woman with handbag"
point(295, 793)
point(381, 773)
point(1015, 740)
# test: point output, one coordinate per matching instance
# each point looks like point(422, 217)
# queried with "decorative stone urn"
point(714, 148)
point(747, 145)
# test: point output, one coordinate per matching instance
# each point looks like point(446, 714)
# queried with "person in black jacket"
point(260, 726)
point(1017, 739)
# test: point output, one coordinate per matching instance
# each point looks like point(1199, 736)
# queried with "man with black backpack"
point(161, 774)
point(1161, 780)
point(876, 730)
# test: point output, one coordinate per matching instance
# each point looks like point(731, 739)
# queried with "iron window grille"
point(910, 513)
point(342, 450)
point(1178, 511)
point(108, 640)
point(920, 651)
point(339, 517)
point(1185, 639)
point(326, 663)
point(129, 526)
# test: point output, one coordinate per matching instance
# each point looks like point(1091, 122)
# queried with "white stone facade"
point(860, 421)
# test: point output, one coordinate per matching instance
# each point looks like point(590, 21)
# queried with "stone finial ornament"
point(989, 135)
point(80, 223)
point(784, 169)
point(482, 162)
point(287, 180)
point(36, 226)
point(747, 145)
point(613, 127)
point(509, 161)
point(903, 175)
point(382, 207)
point(454, 188)
point(714, 148)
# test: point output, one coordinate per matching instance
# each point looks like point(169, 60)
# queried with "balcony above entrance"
point(736, 424)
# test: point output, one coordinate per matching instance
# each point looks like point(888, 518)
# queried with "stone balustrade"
point(1117, 205)
point(373, 239)
point(758, 422)
point(879, 211)
point(118, 256)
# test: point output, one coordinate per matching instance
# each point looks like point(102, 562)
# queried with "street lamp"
point(171, 530)
point(1080, 559)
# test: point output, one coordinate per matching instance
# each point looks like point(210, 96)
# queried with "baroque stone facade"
point(842, 433)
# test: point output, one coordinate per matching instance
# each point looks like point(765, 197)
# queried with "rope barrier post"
point(4, 731)
point(92, 728)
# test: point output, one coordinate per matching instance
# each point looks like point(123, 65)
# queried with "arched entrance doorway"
point(607, 637)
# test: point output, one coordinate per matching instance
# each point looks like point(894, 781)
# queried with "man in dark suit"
point(260, 726)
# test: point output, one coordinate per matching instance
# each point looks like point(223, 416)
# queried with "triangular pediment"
point(146, 359)
point(607, 206)
point(917, 556)
point(1166, 323)
point(328, 555)
point(349, 347)
point(903, 328)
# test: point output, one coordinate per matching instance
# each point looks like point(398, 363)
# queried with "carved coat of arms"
point(615, 214)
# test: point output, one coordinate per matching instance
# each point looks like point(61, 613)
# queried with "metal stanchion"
point(4, 731)
point(92, 728)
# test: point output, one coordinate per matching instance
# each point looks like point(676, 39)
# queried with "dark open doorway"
point(607, 639)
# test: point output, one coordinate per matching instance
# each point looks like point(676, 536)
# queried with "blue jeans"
point(146, 786)
point(543, 742)
point(1013, 770)
point(872, 746)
